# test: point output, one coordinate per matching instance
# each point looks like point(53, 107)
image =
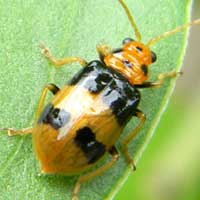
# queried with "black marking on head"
point(85, 139)
point(153, 57)
point(127, 40)
point(127, 63)
point(139, 49)
point(56, 117)
point(144, 69)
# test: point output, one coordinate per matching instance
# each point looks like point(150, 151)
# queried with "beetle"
point(85, 118)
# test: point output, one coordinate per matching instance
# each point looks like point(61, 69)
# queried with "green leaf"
point(73, 28)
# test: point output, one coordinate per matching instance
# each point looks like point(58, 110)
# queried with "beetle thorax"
point(131, 61)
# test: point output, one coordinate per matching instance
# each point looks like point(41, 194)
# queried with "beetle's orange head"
point(132, 60)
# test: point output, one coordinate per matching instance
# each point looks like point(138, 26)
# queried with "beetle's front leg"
point(60, 62)
point(161, 78)
point(103, 50)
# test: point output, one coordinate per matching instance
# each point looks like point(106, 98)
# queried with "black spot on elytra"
point(122, 99)
point(94, 76)
point(56, 117)
point(97, 83)
point(85, 139)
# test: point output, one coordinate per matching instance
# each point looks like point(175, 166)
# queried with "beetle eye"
point(127, 40)
point(153, 57)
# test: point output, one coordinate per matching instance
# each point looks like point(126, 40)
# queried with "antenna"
point(172, 32)
point(131, 20)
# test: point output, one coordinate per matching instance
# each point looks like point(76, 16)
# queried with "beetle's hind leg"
point(140, 115)
point(60, 62)
point(97, 172)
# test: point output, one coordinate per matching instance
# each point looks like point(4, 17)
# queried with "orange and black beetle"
point(86, 117)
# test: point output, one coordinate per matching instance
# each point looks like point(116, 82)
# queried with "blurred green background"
point(169, 168)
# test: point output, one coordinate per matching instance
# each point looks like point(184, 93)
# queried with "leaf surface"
point(74, 28)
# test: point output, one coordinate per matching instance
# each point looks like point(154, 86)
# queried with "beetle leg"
point(139, 114)
point(160, 81)
point(12, 132)
point(103, 50)
point(50, 87)
point(60, 62)
point(97, 172)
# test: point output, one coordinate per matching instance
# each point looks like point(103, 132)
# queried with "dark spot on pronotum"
point(56, 117)
point(127, 40)
point(127, 63)
point(85, 139)
point(153, 57)
point(139, 49)
point(144, 69)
